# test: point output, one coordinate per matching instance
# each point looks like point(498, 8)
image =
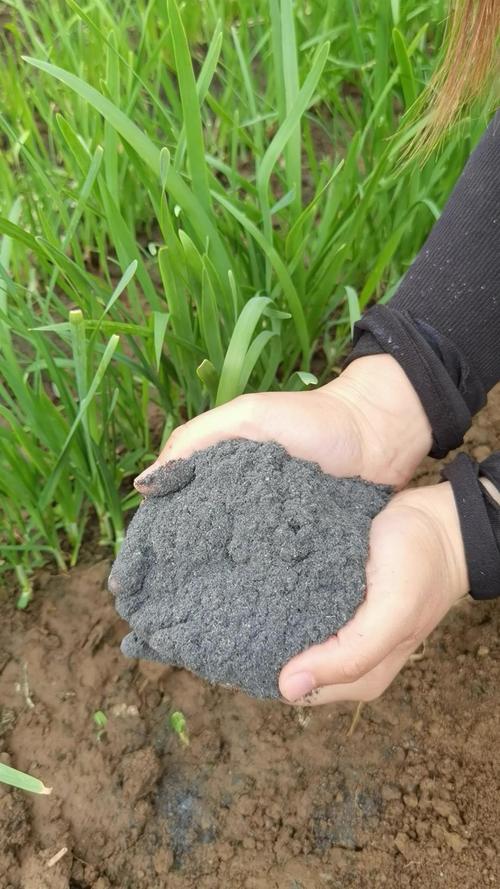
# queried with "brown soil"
point(265, 796)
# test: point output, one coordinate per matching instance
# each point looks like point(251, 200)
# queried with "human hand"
point(367, 422)
point(416, 571)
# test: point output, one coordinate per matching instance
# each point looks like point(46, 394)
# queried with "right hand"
point(367, 422)
point(416, 572)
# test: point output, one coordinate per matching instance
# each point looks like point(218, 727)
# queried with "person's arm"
point(443, 324)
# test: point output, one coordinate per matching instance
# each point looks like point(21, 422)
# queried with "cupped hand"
point(416, 571)
point(367, 422)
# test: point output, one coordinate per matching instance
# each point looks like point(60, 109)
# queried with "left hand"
point(416, 571)
point(368, 421)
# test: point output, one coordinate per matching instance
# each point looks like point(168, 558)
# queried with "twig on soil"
point(81, 860)
point(355, 719)
point(57, 857)
point(7, 719)
point(24, 686)
point(420, 653)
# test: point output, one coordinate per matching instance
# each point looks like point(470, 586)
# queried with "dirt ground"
point(266, 796)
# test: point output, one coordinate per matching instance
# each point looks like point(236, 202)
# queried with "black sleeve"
point(443, 324)
point(479, 516)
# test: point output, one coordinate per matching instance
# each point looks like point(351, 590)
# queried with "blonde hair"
point(470, 63)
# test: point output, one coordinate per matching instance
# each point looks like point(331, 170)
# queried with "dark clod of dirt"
point(243, 557)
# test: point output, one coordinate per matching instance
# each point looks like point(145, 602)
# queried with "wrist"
point(449, 526)
point(393, 425)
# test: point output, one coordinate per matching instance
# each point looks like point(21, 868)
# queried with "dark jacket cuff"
point(479, 517)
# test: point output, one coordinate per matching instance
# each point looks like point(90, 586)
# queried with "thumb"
point(373, 633)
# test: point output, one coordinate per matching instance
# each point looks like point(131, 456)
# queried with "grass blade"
point(22, 781)
point(353, 306)
point(190, 107)
point(406, 76)
point(229, 385)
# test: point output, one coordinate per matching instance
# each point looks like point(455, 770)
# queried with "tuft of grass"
point(177, 722)
point(196, 200)
point(100, 721)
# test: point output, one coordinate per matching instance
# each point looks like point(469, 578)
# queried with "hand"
point(415, 573)
point(367, 422)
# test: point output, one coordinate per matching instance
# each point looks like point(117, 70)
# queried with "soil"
point(265, 796)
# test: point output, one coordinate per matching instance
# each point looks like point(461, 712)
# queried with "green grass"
point(178, 724)
point(15, 778)
point(100, 722)
point(194, 201)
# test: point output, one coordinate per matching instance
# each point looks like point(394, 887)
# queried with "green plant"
point(100, 721)
point(22, 781)
point(195, 202)
point(178, 725)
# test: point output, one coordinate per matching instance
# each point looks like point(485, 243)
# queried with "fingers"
point(310, 425)
point(367, 688)
point(163, 479)
point(134, 647)
point(378, 627)
point(230, 420)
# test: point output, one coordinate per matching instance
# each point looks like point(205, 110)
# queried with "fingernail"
point(297, 685)
point(113, 585)
point(144, 478)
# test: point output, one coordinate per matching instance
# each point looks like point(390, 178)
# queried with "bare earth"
point(266, 796)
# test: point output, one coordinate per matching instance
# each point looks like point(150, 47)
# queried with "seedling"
point(100, 721)
point(21, 780)
point(178, 725)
